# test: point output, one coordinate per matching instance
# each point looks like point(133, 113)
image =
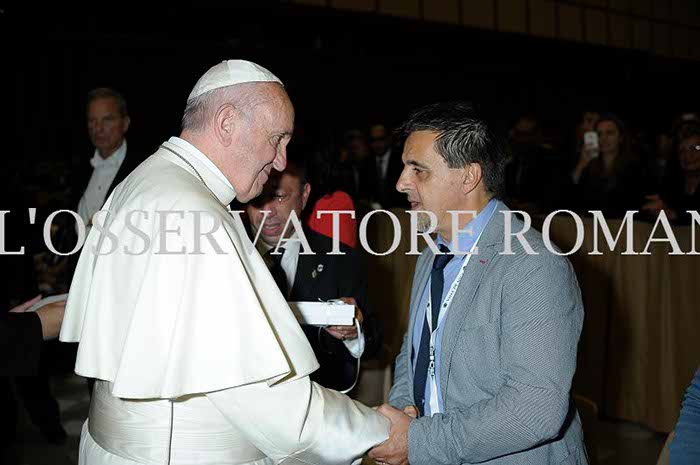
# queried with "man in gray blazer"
point(487, 362)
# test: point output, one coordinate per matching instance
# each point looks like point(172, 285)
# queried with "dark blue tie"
point(437, 281)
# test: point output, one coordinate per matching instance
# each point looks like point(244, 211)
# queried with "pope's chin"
point(252, 193)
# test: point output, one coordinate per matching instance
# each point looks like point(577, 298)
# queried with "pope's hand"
point(348, 332)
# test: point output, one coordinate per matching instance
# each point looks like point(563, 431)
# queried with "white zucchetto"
point(229, 73)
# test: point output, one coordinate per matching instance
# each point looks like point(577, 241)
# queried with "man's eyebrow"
point(417, 163)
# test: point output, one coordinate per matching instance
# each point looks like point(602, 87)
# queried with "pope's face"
point(106, 125)
point(428, 182)
point(263, 141)
point(283, 194)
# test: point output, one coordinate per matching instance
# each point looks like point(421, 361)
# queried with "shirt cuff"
point(356, 346)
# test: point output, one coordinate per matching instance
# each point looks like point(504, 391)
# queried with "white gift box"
point(331, 313)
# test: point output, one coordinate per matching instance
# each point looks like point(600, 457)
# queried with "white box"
point(331, 313)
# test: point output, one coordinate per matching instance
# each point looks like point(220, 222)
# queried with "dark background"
point(342, 70)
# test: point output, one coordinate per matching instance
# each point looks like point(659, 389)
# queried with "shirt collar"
point(385, 155)
point(292, 245)
point(471, 232)
point(114, 160)
point(212, 175)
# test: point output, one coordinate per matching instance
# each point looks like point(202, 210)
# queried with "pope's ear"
point(225, 121)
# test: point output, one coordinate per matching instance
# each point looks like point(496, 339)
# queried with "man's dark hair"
point(106, 92)
point(464, 137)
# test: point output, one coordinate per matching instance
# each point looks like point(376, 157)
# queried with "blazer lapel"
point(462, 303)
point(304, 277)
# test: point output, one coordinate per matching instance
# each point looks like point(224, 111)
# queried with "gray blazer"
point(508, 357)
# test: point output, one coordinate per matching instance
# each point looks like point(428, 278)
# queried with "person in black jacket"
point(680, 192)
point(320, 276)
point(21, 335)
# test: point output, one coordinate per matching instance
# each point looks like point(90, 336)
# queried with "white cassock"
point(198, 357)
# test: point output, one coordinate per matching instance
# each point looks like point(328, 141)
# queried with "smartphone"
point(590, 140)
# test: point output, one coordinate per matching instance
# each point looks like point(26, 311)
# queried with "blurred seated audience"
point(610, 177)
point(536, 175)
point(680, 192)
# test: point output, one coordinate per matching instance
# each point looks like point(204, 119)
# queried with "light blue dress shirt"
point(465, 240)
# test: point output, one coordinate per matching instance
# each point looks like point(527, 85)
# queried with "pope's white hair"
point(200, 110)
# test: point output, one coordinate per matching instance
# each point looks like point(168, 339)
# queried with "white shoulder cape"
point(159, 324)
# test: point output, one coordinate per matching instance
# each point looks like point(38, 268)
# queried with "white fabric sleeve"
point(300, 422)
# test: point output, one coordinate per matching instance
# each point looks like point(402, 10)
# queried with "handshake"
point(394, 451)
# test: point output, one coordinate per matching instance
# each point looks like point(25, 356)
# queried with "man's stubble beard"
point(423, 222)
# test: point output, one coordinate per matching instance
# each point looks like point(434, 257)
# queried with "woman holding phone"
point(608, 176)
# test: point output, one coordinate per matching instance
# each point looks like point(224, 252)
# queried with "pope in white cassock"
point(197, 357)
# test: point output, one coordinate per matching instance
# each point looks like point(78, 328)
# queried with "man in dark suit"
point(306, 277)
point(107, 124)
point(381, 170)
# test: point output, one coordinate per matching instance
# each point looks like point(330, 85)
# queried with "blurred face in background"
point(378, 139)
point(106, 125)
point(609, 137)
point(283, 193)
point(689, 154)
point(357, 145)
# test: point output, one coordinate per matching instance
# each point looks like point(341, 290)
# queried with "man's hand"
point(411, 411)
point(347, 332)
point(51, 317)
point(394, 451)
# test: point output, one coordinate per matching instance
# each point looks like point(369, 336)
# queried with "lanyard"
point(434, 403)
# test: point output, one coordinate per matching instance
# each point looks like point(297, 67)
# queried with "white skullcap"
point(229, 73)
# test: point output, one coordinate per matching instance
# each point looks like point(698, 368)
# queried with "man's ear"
point(127, 122)
point(472, 177)
point(225, 121)
point(305, 192)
